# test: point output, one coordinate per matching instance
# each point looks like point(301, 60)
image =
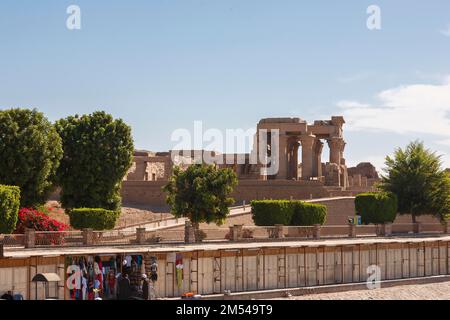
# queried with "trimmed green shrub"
point(9, 208)
point(288, 213)
point(98, 151)
point(30, 151)
point(272, 212)
point(376, 207)
point(308, 214)
point(95, 218)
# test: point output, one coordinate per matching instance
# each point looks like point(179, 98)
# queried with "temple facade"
point(296, 153)
point(300, 147)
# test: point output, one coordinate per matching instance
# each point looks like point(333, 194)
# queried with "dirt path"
point(430, 291)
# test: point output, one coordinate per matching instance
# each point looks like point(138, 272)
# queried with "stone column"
point(317, 158)
point(30, 238)
point(307, 156)
point(290, 156)
point(357, 180)
point(293, 164)
point(335, 145)
point(282, 157)
point(88, 236)
point(296, 146)
point(140, 236)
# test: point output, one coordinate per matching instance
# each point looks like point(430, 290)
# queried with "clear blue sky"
point(162, 64)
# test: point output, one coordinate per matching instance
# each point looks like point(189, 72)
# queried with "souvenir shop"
point(99, 277)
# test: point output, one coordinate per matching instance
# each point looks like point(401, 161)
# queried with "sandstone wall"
point(150, 193)
point(340, 209)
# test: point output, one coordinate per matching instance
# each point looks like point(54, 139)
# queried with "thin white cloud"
point(418, 108)
point(446, 32)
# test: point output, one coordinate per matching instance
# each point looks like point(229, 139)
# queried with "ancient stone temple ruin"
point(302, 170)
point(296, 134)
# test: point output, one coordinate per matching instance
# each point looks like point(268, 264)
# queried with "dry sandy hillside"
point(130, 214)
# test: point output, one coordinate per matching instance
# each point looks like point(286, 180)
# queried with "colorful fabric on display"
point(179, 269)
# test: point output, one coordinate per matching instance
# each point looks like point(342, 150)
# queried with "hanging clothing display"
point(179, 269)
point(97, 277)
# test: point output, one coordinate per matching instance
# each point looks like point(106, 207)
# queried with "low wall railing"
point(142, 236)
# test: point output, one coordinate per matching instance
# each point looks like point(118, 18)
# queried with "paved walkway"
point(430, 291)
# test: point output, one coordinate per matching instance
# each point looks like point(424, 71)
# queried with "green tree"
point(30, 151)
point(98, 152)
point(201, 193)
point(416, 177)
point(9, 208)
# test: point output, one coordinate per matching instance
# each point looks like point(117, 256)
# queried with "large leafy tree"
point(30, 151)
point(201, 193)
point(416, 177)
point(98, 152)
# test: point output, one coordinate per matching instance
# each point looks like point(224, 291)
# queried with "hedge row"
point(376, 207)
point(287, 212)
point(9, 208)
point(95, 218)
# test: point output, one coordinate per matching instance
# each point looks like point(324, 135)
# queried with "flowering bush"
point(37, 220)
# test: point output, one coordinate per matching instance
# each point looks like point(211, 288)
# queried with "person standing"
point(145, 287)
point(124, 287)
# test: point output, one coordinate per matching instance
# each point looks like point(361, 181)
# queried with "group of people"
point(110, 277)
point(125, 290)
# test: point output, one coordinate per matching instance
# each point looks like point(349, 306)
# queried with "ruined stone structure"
point(296, 134)
point(301, 173)
point(365, 169)
point(149, 166)
point(363, 175)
